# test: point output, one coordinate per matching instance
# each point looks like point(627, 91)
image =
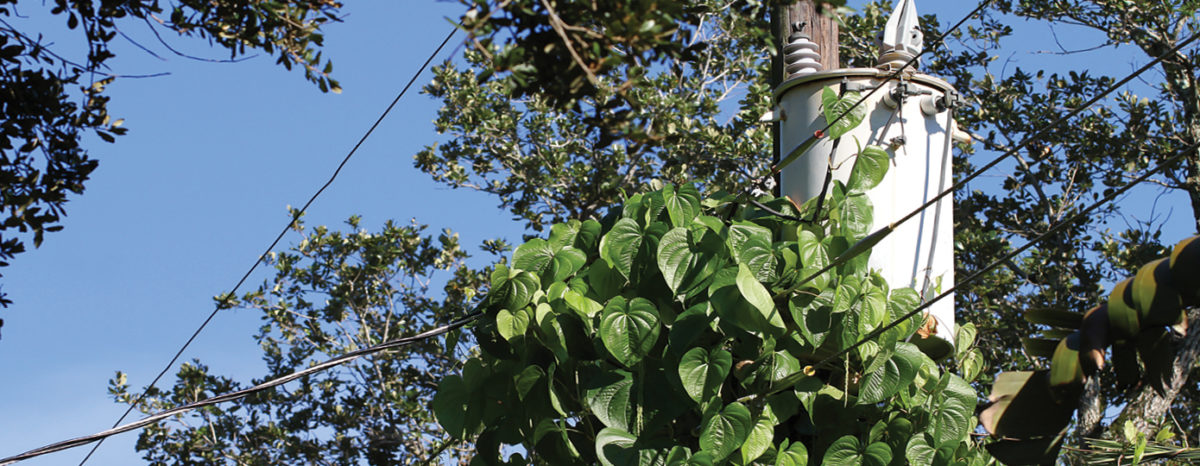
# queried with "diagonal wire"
point(792, 379)
point(275, 242)
point(161, 415)
point(865, 244)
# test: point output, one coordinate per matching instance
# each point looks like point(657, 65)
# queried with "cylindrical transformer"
point(912, 119)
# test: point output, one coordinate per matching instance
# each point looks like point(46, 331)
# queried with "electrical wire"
point(161, 415)
point(281, 234)
point(792, 379)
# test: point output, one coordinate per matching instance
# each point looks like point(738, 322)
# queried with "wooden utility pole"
point(821, 29)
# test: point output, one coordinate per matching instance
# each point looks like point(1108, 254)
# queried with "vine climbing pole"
point(910, 117)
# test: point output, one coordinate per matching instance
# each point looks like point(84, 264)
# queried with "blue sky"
point(181, 206)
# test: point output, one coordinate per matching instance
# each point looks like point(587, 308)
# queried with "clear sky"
point(181, 206)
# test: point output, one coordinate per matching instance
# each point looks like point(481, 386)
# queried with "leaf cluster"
point(664, 333)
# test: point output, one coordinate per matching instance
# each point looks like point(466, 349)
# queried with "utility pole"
point(821, 28)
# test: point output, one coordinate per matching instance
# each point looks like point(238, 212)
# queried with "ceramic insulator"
point(801, 56)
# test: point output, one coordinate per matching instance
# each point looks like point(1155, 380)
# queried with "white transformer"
point(912, 118)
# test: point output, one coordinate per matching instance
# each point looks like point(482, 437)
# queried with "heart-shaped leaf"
point(565, 263)
point(855, 216)
point(726, 431)
point(869, 169)
point(685, 265)
point(751, 246)
point(814, 315)
point(795, 454)
point(683, 204)
point(703, 371)
point(896, 373)
point(450, 405)
point(629, 329)
point(511, 324)
point(841, 113)
point(608, 396)
point(513, 288)
point(534, 255)
point(619, 246)
point(760, 438)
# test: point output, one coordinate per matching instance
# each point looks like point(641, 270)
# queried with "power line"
point(275, 242)
point(791, 380)
point(161, 415)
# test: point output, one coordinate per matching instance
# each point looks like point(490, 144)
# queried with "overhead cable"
point(275, 242)
point(161, 415)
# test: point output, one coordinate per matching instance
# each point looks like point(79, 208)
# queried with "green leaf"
point(564, 264)
point(726, 431)
point(616, 447)
point(620, 245)
point(513, 288)
point(751, 246)
point(845, 450)
point(869, 169)
point(527, 379)
point(609, 397)
point(813, 257)
point(450, 405)
point(794, 455)
point(589, 234)
point(683, 204)
point(971, 364)
point(814, 315)
point(686, 266)
point(603, 280)
point(629, 330)
point(533, 256)
point(703, 371)
point(688, 326)
point(835, 107)
point(760, 438)
point(758, 296)
point(877, 454)
point(965, 338)
point(951, 417)
point(919, 450)
point(855, 217)
point(586, 307)
point(895, 374)
point(511, 324)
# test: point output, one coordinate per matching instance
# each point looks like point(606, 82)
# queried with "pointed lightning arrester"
point(801, 55)
point(901, 39)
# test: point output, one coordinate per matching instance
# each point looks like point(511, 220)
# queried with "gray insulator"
point(801, 56)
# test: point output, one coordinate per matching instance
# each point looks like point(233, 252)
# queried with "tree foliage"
point(332, 293)
point(51, 101)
